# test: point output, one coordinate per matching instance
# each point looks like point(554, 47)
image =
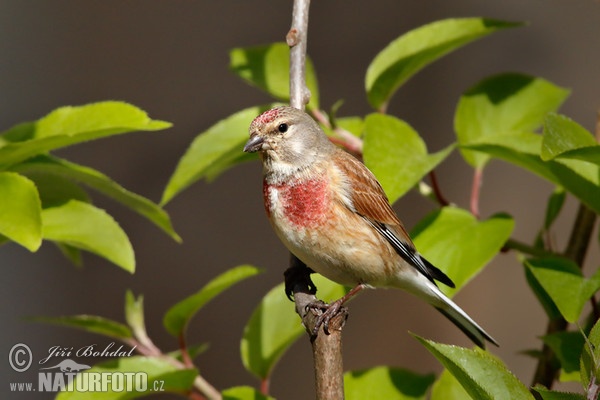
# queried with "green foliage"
point(74, 173)
point(504, 104)
point(40, 195)
point(244, 393)
point(83, 226)
point(568, 347)
point(562, 136)
point(160, 374)
point(459, 244)
point(580, 178)
point(416, 49)
point(482, 375)
point(268, 68)
point(178, 316)
point(547, 394)
point(213, 151)
point(90, 323)
point(20, 211)
point(396, 154)
point(447, 387)
point(590, 358)
point(386, 383)
point(265, 338)
point(564, 284)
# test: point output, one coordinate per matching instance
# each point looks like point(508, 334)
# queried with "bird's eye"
point(282, 128)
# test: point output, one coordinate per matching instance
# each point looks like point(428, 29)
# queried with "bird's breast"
point(302, 203)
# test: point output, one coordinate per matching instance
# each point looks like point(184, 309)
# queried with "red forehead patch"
point(267, 117)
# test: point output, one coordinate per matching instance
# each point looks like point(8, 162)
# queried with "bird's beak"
point(254, 143)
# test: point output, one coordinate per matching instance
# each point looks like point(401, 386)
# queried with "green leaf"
point(149, 375)
point(90, 323)
point(545, 300)
point(590, 357)
point(555, 203)
point(86, 227)
point(55, 190)
point(547, 394)
point(396, 154)
point(244, 393)
point(386, 383)
point(70, 125)
point(178, 316)
point(20, 208)
point(561, 134)
point(460, 245)
point(416, 49)
point(503, 105)
point(134, 314)
point(447, 387)
point(481, 374)
point(72, 253)
point(567, 346)
point(354, 125)
point(268, 68)
point(216, 149)
point(100, 182)
point(590, 154)
point(192, 350)
point(274, 326)
point(563, 282)
point(580, 178)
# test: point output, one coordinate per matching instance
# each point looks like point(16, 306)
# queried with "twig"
point(296, 39)
point(437, 191)
point(343, 138)
point(204, 390)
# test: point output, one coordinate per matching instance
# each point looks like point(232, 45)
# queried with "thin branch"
point(327, 348)
point(349, 142)
point(296, 38)
point(204, 389)
point(437, 191)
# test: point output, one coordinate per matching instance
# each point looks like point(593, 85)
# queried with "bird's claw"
point(326, 312)
point(298, 275)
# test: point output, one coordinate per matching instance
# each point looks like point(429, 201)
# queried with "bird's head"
point(287, 139)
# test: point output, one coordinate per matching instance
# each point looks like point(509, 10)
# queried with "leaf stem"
point(475, 190)
point(513, 244)
point(437, 191)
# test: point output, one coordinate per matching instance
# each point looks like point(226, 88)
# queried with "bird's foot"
point(297, 278)
point(326, 312)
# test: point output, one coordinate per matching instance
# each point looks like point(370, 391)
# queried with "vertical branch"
point(327, 348)
point(296, 39)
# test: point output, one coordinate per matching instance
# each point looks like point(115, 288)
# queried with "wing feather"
point(370, 202)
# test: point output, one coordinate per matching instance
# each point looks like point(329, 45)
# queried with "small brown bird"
point(330, 211)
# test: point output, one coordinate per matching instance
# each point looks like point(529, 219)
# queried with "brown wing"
point(370, 202)
point(368, 196)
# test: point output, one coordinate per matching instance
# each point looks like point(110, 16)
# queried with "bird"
point(332, 213)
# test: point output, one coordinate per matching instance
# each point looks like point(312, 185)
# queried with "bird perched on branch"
point(330, 211)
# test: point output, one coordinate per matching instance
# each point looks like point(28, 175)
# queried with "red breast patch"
point(305, 204)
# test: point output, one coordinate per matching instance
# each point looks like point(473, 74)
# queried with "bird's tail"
point(465, 323)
